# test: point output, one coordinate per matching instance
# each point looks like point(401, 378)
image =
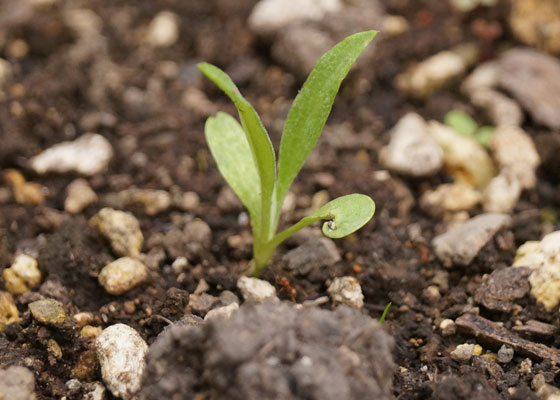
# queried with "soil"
point(159, 144)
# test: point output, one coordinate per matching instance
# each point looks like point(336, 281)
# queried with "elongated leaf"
point(229, 147)
point(312, 106)
point(257, 137)
point(346, 214)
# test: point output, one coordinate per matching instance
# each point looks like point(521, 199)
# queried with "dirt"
point(64, 83)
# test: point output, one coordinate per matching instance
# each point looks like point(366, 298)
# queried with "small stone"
point(87, 155)
point(502, 193)
point(505, 354)
point(163, 30)
point(48, 311)
point(431, 294)
point(89, 331)
point(8, 311)
point(80, 195)
point(394, 25)
point(53, 348)
point(464, 158)
point(484, 77)
point(500, 109)
point(448, 327)
point(23, 275)
point(525, 367)
point(151, 201)
point(411, 150)
point(256, 290)
point(503, 286)
point(17, 383)
point(83, 318)
point(121, 351)
point(122, 275)
point(346, 290)
point(427, 76)
point(179, 264)
point(314, 254)
point(462, 244)
point(270, 16)
point(535, 22)
point(543, 258)
point(449, 198)
point(188, 201)
point(198, 235)
point(227, 297)
point(24, 192)
point(464, 352)
point(514, 149)
point(221, 312)
point(201, 303)
point(121, 228)
point(94, 391)
point(532, 78)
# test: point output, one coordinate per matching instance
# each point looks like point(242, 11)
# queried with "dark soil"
point(159, 144)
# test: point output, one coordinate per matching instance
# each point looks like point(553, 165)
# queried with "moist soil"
point(159, 144)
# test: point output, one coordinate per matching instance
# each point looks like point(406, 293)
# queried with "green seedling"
point(464, 124)
point(385, 311)
point(246, 159)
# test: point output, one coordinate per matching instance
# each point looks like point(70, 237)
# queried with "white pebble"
point(255, 290)
point(121, 228)
point(221, 312)
point(121, 351)
point(80, 195)
point(163, 30)
point(87, 155)
point(347, 290)
point(122, 275)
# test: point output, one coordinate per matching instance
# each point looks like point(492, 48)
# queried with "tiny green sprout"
point(247, 161)
point(464, 124)
point(385, 311)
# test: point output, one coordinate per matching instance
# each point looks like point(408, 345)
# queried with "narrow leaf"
point(346, 214)
point(257, 137)
point(312, 106)
point(229, 147)
point(461, 122)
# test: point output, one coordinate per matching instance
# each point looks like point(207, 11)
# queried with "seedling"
point(464, 124)
point(246, 158)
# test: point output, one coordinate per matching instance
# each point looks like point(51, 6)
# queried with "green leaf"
point(346, 214)
point(261, 148)
point(229, 147)
point(312, 106)
point(460, 122)
point(484, 135)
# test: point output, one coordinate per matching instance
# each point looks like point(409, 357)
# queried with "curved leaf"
point(346, 214)
point(229, 147)
point(312, 106)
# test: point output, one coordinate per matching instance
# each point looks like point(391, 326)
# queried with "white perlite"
point(80, 195)
point(544, 259)
point(449, 198)
point(87, 155)
point(23, 275)
point(411, 150)
point(221, 312)
point(272, 15)
point(121, 351)
point(121, 228)
point(122, 275)
point(255, 290)
point(347, 290)
point(502, 193)
point(163, 30)
point(464, 352)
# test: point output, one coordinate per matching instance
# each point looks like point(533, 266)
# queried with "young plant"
point(246, 158)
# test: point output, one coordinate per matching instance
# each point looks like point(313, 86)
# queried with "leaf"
point(229, 147)
point(346, 214)
point(461, 122)
point(257, 137)
point(312, 106)
point(484, 135)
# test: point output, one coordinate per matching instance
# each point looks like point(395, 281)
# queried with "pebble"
point(269, 16)
point(122, 275)
point(411, 150)
point(89, 331)
point(255, 290)
point(95, 391)
point(502, 287)
point(121, 228)
point(431, 294)
point(543, 258)
point(449, 198)
point(502, 193)
point(462, 244)
point(500, 109)
point(448, 327)
point(53, 348)
point(514, 149)
point(221, 312)
point(314, 254)
point(346, 290)
point(525, 367)
point(505, 354)
point(163, 30)
point(121, 351)
point(201, 303)
point(465, 160)
point(535, 22)
point(24, 192)
point(80, 195)
point(464, 352)
point(428, 75)
point(9, 313)
point(83, 318)
point(87, 155)
point(22, 276)
point(483, 77)
point(17, 383)
point(48, 311)
point(151, 201)
point(532, 78)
